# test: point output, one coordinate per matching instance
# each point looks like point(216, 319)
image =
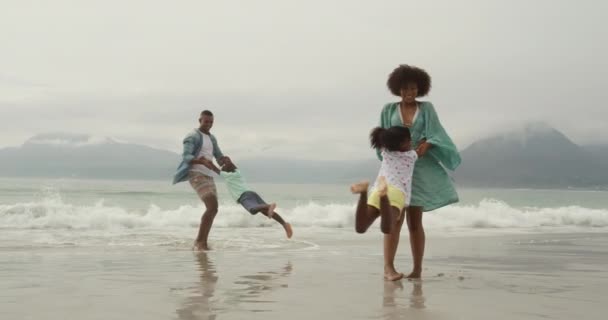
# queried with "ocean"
point(101, 249)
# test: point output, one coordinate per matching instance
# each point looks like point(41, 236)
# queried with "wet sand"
point(322, 274)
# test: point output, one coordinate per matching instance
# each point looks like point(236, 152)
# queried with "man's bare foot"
point(359, 187)
point(288, 230)
point(270, 210)
point(382, 187)
point(392, 275)
point(200, 246)
point(414, 275)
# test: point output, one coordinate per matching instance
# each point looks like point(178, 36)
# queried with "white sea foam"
point(54, 213)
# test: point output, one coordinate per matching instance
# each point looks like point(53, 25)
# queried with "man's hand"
point(204, 161)
point(223, 161)
point(229, 167)
point(208, 163)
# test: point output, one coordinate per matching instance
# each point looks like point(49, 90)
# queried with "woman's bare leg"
point(417, 239)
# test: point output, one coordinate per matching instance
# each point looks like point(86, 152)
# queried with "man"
point(199, 145)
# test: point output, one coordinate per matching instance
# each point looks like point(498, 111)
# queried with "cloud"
point(288, 77)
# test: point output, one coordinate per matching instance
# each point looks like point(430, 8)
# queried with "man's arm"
point(195, 161)
point(217, 152)
point(188, 150)
point(208, 163)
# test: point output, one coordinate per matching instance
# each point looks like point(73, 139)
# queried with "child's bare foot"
point(359, 187)
point(414, 275)
point(392, 275)
point(200, 246)
point(288, 230)
point(382, 186)
point(270, 210)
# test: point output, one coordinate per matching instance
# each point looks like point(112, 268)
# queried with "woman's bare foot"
point(200, 246)
point(359, 187)
point(270, 210)
point(288, 230)
point(414, 275)
point(382, 186)
point(393, 276)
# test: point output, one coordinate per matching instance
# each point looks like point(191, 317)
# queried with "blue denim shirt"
point(193, 143)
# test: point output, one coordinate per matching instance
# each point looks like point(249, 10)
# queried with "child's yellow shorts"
point(396, 198)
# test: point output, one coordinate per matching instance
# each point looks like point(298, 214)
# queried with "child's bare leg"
point(365, 214)
point(286, 226)
point(266, 209)
point(391, 242)
point(288, 230)
point(270, 210)
point(359, 187)
point(277, 218)
point(387, 217)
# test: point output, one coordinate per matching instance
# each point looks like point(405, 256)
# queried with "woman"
point(432, 188)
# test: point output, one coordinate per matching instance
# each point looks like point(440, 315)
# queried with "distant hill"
point(536, 156)
point(598, 151)
point(83, 156)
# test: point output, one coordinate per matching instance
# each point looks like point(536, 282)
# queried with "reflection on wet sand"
point(394, 301)
point(390, 303)
point(255, 287)
point(249, 294)
point(200, 304)
point(417, 299)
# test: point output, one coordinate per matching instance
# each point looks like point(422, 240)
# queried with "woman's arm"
point(384, 123)
point(423, 147)
point(438, 143)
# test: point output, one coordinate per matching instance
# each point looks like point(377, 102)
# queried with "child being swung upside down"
point(241, 193)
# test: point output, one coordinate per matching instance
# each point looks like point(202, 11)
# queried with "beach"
point(256, 274)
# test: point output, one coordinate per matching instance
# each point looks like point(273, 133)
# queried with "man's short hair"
point(207, 113)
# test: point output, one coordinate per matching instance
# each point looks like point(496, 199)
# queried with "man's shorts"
point(202, 184)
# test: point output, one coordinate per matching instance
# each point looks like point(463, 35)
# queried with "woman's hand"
point(423, 147)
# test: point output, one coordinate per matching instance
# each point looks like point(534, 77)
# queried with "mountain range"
point(536, 156)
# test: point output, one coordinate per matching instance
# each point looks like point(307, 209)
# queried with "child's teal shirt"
point(235, 182)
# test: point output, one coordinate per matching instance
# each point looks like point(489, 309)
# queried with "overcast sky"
point(297, 78)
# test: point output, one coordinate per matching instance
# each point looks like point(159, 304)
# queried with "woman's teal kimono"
point(432, 187)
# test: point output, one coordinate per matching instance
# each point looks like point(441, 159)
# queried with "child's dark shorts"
point(252, 202)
